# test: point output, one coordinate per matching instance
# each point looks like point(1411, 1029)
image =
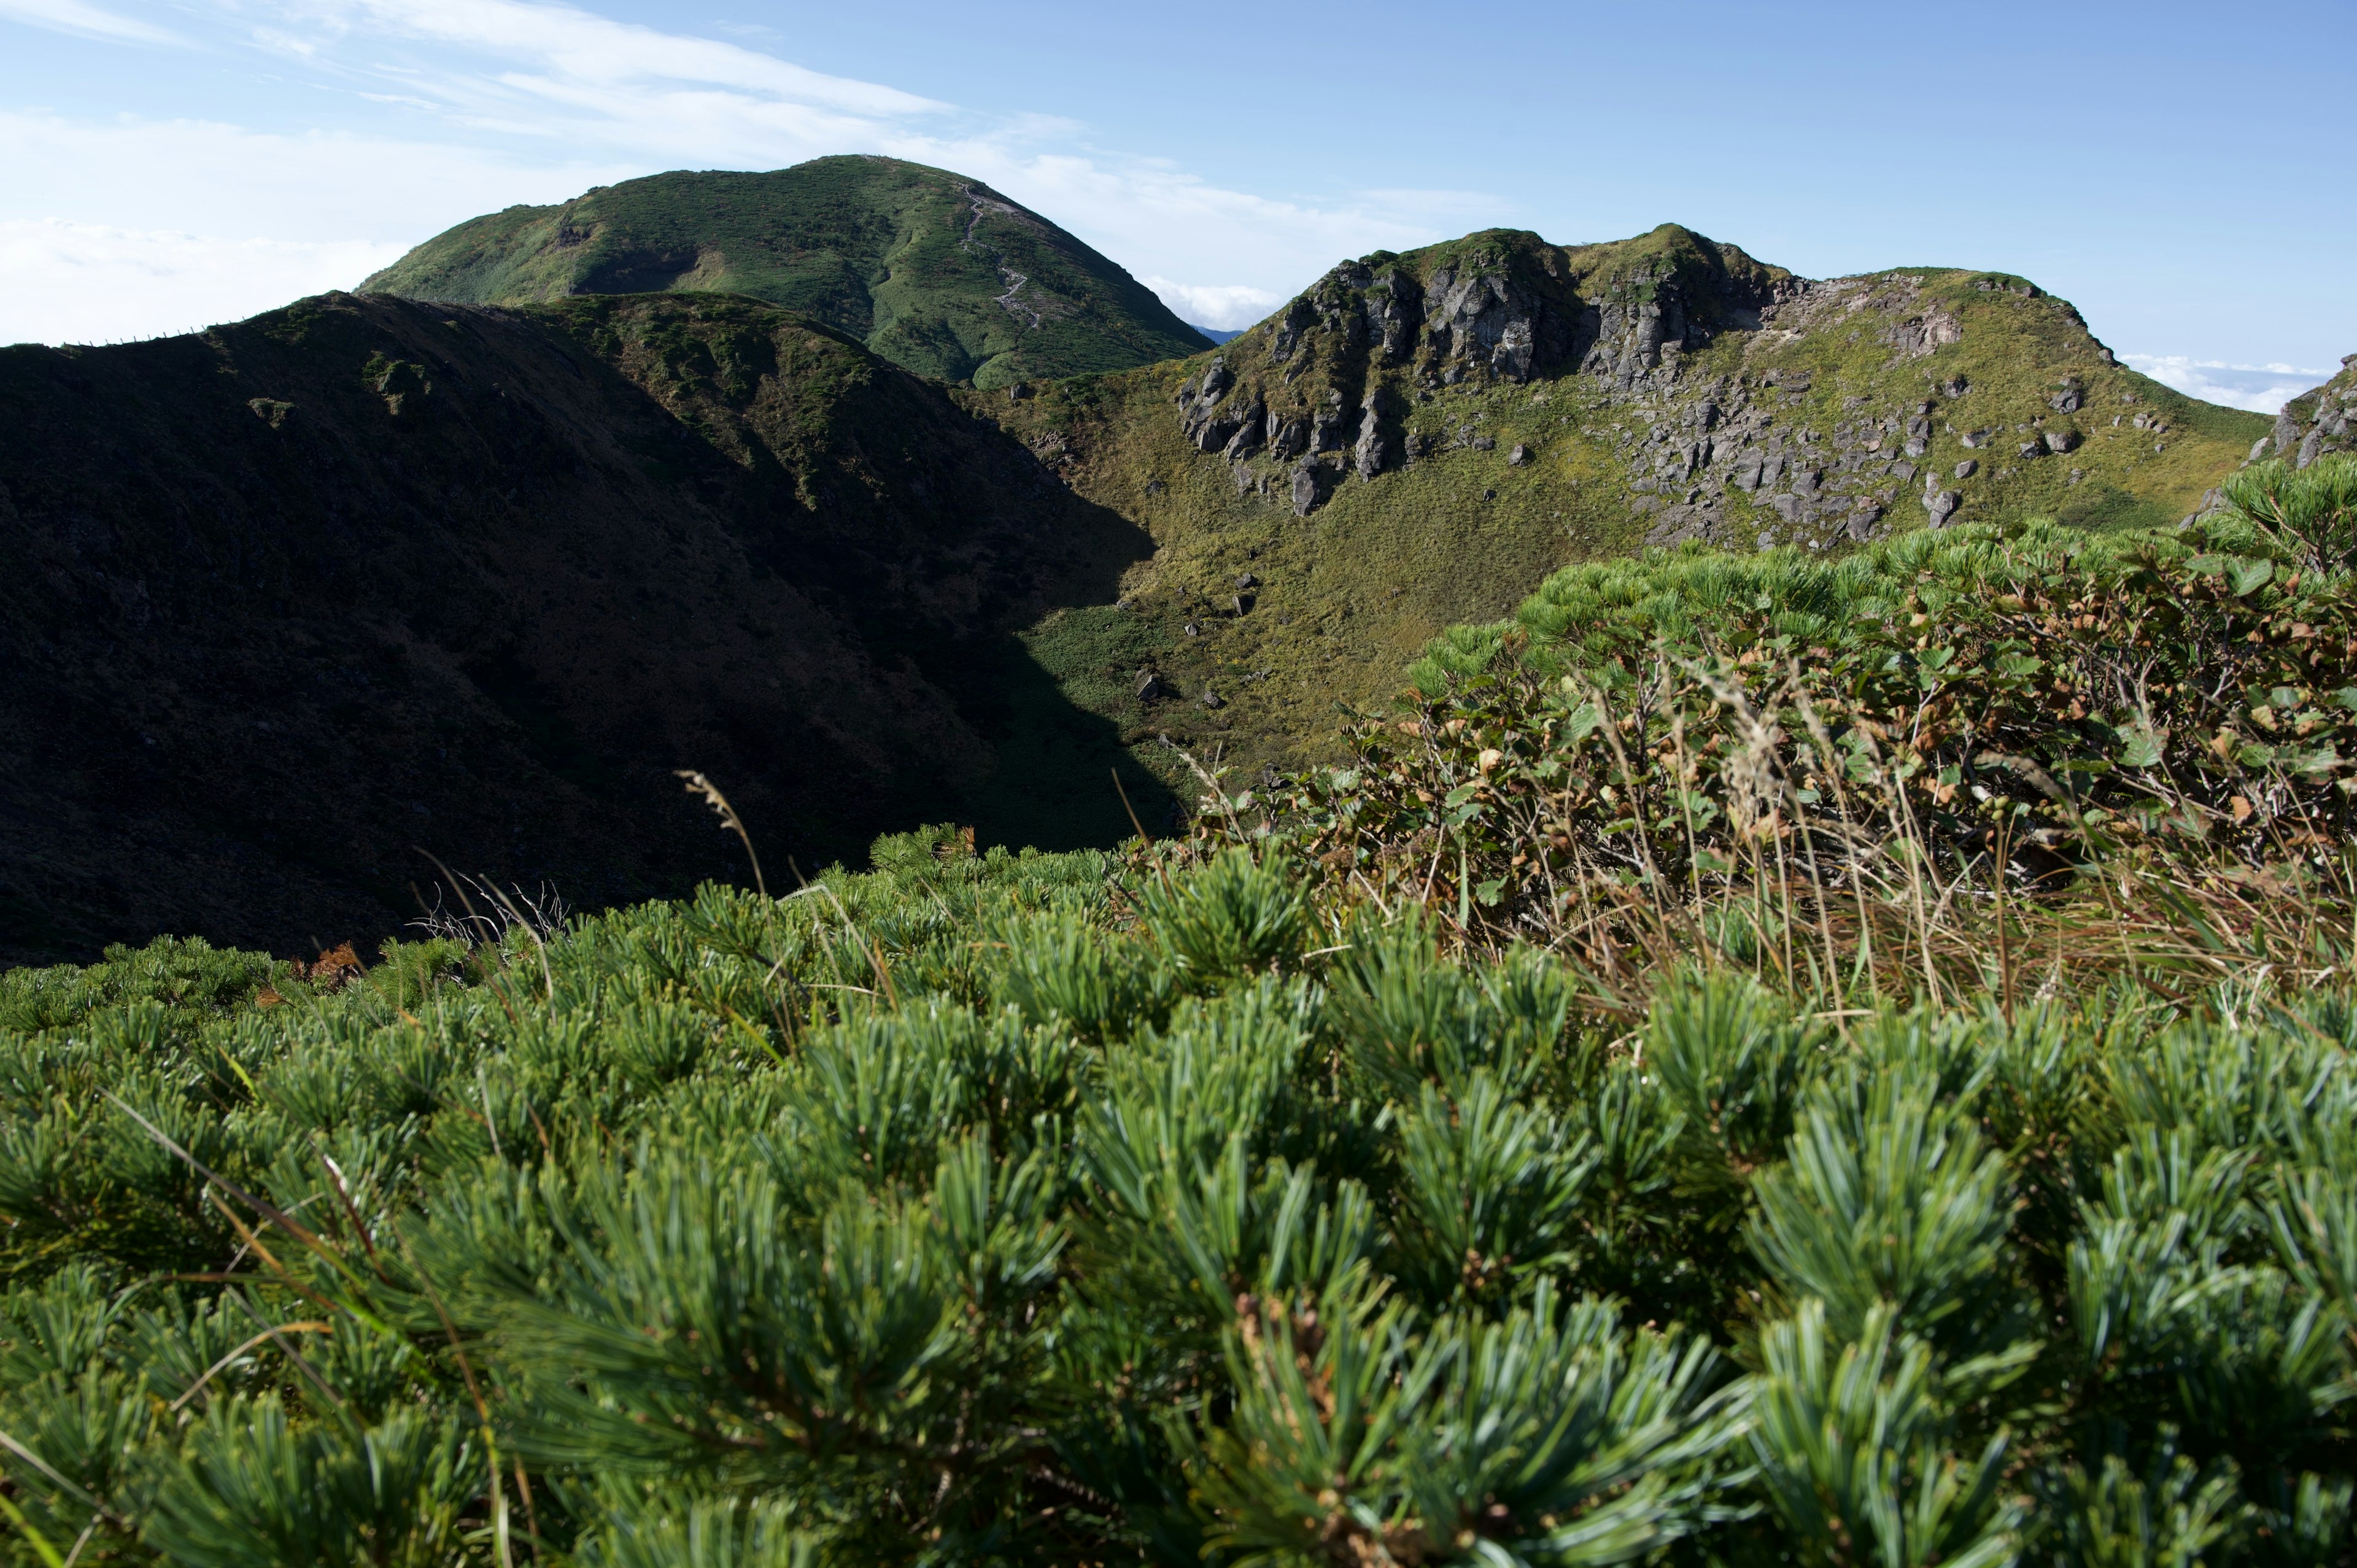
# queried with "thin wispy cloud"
point(85, 20)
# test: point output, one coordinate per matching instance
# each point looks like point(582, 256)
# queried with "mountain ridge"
point(1417, 439)
point(292, 601)
point(263, 573)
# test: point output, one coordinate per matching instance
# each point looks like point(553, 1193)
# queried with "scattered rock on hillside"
point(1939, 504)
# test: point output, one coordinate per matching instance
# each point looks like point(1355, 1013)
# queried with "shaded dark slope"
point(282, 601)
point(936, 272)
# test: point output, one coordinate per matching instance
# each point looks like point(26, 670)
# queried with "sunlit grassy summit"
point(935, 271)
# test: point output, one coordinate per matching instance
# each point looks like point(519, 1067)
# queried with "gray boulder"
point(1967, 468)
point(1374, 448)
point(2060, 441)
point(1305, 490)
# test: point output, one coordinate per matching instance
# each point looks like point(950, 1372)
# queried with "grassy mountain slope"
point(288, 598)
point(937, 272)
point(1417, 440)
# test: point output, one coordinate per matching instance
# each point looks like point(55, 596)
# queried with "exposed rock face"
point(1672, 356)
point(2317, 422)
point(1374, 452)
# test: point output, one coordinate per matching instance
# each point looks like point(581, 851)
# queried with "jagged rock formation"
point(2321, 420)
point(936, 272)
point(1372, 335)
point(1335, 385)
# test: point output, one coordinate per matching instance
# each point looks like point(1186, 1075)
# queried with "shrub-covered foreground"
point(1880, 762)
point(1033, 1210)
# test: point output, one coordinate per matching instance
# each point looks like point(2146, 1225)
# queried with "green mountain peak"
point(935, 272)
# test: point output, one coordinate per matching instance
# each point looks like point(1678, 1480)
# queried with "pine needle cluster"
point(1026, 1208)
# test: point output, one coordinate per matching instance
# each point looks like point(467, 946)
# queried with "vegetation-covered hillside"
point(1772, 1061)
point(1417, 440)
point(290, 601)
point(937, 272)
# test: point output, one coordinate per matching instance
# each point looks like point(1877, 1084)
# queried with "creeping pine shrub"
point(999, 1208)
point(1942, 702)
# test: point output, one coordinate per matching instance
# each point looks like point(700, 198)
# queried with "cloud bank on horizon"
point(2262, 389)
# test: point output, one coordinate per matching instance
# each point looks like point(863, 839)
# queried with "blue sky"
point(2178, 171)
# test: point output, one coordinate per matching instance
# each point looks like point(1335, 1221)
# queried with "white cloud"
point(1223, 306)
point(86, 283)
point(2262, 389)
point(203, 176)
point(533, 103)
point(85, 20)
point(575, 46)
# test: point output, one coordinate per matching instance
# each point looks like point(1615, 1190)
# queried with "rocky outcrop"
point(1743, 404)
point(1333, 375)
point(2317, 422)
